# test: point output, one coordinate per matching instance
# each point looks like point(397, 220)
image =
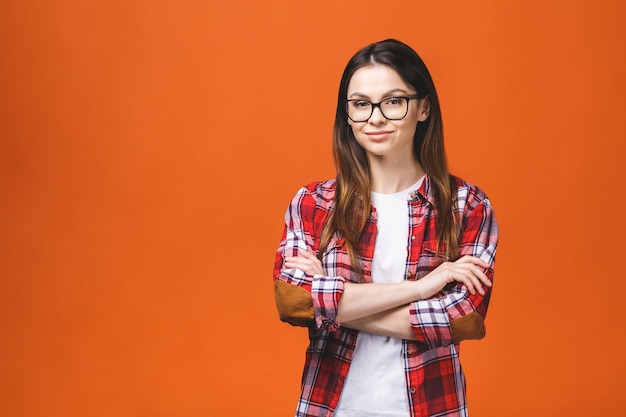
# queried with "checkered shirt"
point(435, 380)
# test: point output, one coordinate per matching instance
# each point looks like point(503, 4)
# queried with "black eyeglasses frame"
point(375, 105)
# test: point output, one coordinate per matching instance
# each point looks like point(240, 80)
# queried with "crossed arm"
point(384, 308)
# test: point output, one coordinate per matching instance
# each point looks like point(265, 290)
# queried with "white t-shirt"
point(376, 382)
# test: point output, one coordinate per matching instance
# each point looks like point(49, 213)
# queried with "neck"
point(391, 176)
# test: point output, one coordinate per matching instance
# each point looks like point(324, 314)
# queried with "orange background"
point(149, 149)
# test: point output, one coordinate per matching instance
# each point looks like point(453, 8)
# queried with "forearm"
point(396, 323)
point(363, 300)
point(392, 323)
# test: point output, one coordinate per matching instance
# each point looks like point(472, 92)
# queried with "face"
point(380, 137)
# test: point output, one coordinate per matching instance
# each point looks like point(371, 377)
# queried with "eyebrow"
point(387, 94)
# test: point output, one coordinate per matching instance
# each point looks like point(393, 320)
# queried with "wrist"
point(418, 290)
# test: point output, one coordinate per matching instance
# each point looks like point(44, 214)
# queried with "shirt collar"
point(424, 192)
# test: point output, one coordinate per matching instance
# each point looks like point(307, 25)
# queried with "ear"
point(424, 109)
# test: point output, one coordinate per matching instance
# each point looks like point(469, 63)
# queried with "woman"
point(389, 265)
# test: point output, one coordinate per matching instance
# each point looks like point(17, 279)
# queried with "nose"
point(377, 116)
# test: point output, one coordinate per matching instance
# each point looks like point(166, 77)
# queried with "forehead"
point(376, 80)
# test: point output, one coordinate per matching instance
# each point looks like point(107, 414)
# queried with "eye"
point(393, 101)
point(360, 104)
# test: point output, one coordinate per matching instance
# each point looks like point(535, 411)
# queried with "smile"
point(378, 136)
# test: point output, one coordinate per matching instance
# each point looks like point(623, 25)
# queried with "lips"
point(378, 135)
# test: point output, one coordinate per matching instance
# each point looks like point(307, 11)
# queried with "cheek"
point(409, 124)
point(413, 114)
point(358, 138)
point(354, 130)
point(413, 117)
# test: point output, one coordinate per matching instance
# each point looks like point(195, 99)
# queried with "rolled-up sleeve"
point(455, 314)
point(303, 299)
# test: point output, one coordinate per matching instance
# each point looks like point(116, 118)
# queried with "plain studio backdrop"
point(149, 149)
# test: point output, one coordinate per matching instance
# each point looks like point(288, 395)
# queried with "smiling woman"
point(385, 129)
point(390, 265)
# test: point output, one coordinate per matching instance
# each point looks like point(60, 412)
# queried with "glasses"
point(392, 108)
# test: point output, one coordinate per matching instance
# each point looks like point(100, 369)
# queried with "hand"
point(305, 261)
point(465, 270)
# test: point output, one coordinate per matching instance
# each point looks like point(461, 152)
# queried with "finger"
point(464, 259)
point(463, 276)
point(467, 282)
point(472, 259)
point(299, 259)
point(310, 267)
point(472, 281)
point(480, 280)
point(477, 285)
point(470, 278)
point(291, 264)
point(296, 263)
point(307, 254)
point(308, 258)
point(469, 269)
point(484, 279)
point(312, 258)
point(482, 263)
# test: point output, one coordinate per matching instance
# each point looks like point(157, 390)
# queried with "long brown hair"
point(352, 204)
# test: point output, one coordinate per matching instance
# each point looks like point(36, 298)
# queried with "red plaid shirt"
point(435, 380)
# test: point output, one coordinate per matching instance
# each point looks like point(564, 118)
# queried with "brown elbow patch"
point(294, 304)
point(470, 326)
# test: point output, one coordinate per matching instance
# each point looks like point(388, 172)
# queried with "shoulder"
point(321, 192)
point(476, 216)
point(469, 196)
point(321, 188)
point(313, 201)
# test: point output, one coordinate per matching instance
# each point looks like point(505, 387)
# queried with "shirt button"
point(414, 212)
point(408, 273)
point(412, 390)
point(409, 351)
point(412, 237)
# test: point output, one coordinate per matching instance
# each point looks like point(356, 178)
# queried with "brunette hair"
point(352, 205)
